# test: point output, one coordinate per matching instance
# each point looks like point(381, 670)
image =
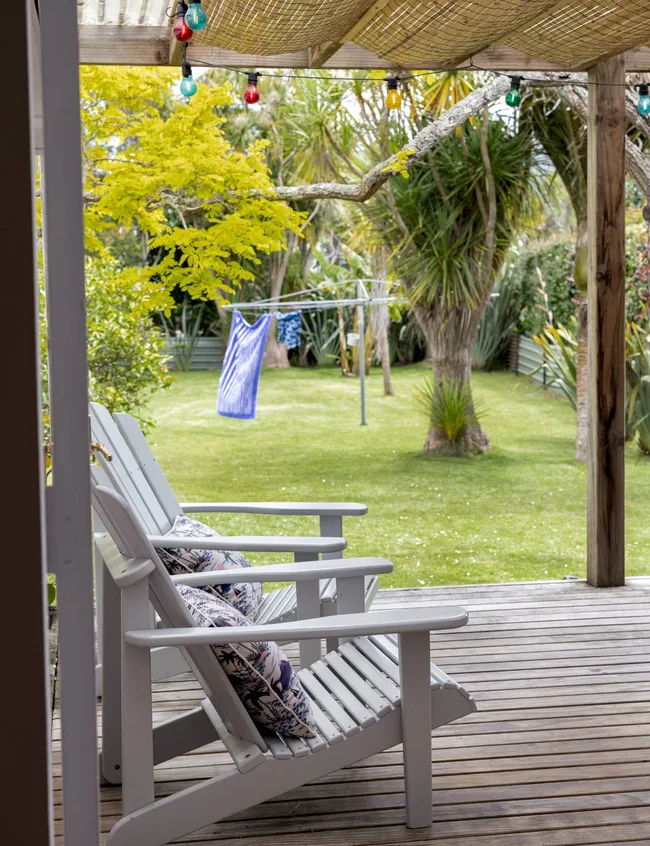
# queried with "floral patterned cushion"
point(260, 672)
point(245, 597)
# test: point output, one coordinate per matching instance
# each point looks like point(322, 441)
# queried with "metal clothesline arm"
point(311, 305)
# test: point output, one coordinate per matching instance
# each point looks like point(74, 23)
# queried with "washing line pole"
point(361, 292)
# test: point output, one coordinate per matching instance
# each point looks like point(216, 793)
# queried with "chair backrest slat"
point(129, 541)
point(124, 472)
point(141, 451)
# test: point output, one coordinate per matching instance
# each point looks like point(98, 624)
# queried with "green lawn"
point(516, 514)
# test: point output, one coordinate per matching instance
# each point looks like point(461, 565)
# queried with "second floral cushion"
point(244, 596)
point(260, 672)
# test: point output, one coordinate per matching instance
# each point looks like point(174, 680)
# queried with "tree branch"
point(411, 153)
point(637, 162)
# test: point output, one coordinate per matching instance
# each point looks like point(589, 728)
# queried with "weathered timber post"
point(606, 216)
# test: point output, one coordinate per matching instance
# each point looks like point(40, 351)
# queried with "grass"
point(518, 513)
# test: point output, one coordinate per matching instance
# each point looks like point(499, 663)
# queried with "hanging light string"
point(392, 80)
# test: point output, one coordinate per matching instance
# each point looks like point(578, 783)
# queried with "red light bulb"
point(181, 30)
point(252, 94)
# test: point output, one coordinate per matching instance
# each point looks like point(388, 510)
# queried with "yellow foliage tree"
point(157, 163)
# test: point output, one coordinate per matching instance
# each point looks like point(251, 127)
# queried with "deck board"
point(558, 754)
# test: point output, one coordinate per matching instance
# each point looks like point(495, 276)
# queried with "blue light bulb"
point(188, 86)
point(643, 106)
point(195, 17)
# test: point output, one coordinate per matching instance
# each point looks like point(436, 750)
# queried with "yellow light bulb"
point(393, 99)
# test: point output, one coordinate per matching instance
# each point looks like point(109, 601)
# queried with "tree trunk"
point(450, 335)
point(381, 323)
point(582, 372)
point(343, 347)
point(276, 354)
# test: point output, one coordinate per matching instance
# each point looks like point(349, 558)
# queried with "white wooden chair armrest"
point(299, 572)
point(245, 543)
point(344, 625)
point(294, 509)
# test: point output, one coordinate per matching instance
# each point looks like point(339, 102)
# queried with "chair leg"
point(308, 602)
point(350, 595)
point(329, 609)
point(331, 527)
point(111, 668)
point(415, 678)
point(137, 723)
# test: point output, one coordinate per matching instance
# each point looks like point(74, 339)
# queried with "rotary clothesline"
point(243, 361)
point(288, 301)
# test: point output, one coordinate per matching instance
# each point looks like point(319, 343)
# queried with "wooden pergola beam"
point(321, 53)
point(140, 45)
point(606, 215)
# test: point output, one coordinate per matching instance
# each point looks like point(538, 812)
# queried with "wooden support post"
point(606, 211)
point(24, 709)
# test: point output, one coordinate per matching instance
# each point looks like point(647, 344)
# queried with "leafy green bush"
point(637, 284)
point(126, 360)
point(448, 408)
point(637, 372)
point(555, 262)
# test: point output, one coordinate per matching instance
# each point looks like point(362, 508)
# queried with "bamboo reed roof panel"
point(412, 31)
point(584, 30)
point(269, 26)
point(375, 33)
point(142, 13)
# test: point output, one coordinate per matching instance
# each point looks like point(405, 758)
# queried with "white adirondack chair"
point(134, 473)
point(377, 690)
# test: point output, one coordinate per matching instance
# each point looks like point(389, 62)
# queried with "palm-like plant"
point(462, 209)
point(560, 347)
point(497, 324)
point(451, 411)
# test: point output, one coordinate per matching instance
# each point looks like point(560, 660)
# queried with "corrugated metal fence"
point(207, 354)
point(525, 356)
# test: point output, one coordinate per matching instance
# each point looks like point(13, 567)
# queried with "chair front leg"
point(111, 674)
point(331, 527)
point(415, 683)
point(308, 607)
point(137, 722)
point(350, 599)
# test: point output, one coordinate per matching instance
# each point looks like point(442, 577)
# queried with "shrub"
point(449, 409)
point(126, 361)
point(555, 262)
point(637, 371)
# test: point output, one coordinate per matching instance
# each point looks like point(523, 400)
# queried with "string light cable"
point(393, 81)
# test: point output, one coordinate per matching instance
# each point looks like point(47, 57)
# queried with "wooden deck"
point(558, 754)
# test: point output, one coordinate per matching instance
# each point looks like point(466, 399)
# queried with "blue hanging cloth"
point(240, 374)
point(289, 329)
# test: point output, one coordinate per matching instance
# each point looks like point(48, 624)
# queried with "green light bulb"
point(513, 97)
point(195, 17)
point(643, 106)
point(188, 86)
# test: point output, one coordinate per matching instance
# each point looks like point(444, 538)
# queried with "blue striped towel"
point(240, 374)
